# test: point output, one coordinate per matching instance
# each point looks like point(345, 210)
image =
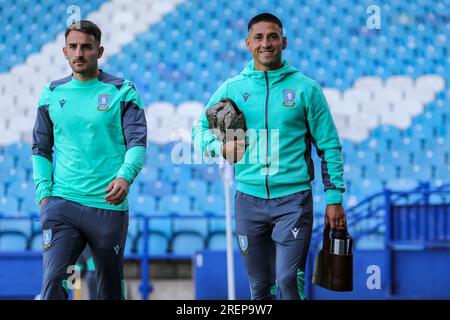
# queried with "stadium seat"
point(30, 206)
point(2, 190)
point(14, 175)
point(36, 242)
point(13, 241)
point(158, 244)
point(192, 188)
point(218, 241)
point(210, 173)
point(135, 224)
point(186, 243)
point(6, 163)
point(148, 174)
point(157, 188)
point(213, 204)
point(198, 223)
point(129, 245)
point(21, 189)
point(9, 205)
point(144, 204)
point(176, 174)
point(402, 184)
point(176, 204)
point(19, 223)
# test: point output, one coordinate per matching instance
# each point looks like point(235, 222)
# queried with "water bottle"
point(341, 242)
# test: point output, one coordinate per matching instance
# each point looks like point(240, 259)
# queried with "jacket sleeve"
point(326, 140)
point(205, 142)
point(42, 148)
point(134, 126)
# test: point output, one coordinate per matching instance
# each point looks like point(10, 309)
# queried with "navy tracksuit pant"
point(274, 237)
point(67, 227)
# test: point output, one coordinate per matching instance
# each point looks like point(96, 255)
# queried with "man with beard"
point(96, 126)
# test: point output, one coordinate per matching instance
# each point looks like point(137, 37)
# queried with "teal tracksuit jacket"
point(286, 112)
point(86, 134)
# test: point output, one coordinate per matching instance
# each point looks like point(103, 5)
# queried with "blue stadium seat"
point(161, 224)
point(2, 190)
point(6, 163)
point(129, 245)
point(9, 206)
point(14, 175)
point(351, 172)
point(210, 173)
point(19, 150)
point(185, 244)
point(443, 173)
point(157, 188)
point(212, 204)
point(218, 223)
point(217, 188)
point(13, 241)
point(162, 161)
point(158, 244)
point(402, 184)
point(22, 190)
point(145, 205)
point(36, 242)
point(133, 193)
point(16, 223)
point(192, 188)
point(198, 224)
point(367, 187)
point(418, 172)
point(176, 174)
point(148, 174)
point(135, 224)
point(383, 172)
point(218, 241)
point(30, 206)
point(177, 204)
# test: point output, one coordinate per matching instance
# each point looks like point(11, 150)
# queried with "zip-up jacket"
point(285, 112)
point(98, 132)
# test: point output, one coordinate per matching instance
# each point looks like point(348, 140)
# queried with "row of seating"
point(28, 25)
point(180, 244)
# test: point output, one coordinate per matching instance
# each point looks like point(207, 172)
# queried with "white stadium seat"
point(431, 82)
point(357, 96)
point(399, 82)
point(160, 122)
point(368, 82)
point(332, 95)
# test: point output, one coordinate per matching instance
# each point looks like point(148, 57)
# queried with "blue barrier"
point(417, 274)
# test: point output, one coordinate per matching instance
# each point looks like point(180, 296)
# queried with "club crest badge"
point(103, 102)
point(243, 243)
point(46, 238)
point(289, 98)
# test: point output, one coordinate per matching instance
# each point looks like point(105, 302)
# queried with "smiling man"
point(95, 124)
point(273, 203)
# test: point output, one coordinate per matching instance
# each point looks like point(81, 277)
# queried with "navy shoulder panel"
point(110, 79)
point(59, 82)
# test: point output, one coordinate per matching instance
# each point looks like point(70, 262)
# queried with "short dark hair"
point(266, 17)
point(85, 26)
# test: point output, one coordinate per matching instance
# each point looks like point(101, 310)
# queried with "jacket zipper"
point(267, 134)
